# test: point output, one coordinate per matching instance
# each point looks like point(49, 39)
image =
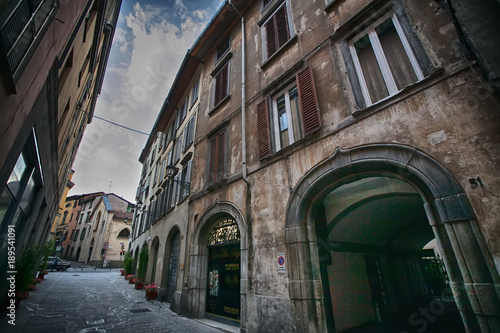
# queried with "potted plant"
point(45, 252)
point(142, 268)
point(122, 272)
point(130, 278)
point(151, 291)
point(26, 269)
point(127, 264)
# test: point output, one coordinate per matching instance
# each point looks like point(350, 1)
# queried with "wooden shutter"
point(308, 100)
point(264, 129)
point(270, 37)
point(221, 84)
point(221, 152)
point(213, 160)
point(282, 26)
point(217, 157)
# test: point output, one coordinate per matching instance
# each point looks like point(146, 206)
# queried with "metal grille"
point(224, 231)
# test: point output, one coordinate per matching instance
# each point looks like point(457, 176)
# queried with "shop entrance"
point(223, 282)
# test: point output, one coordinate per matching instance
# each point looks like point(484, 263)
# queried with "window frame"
point(263, 26)
point(217, 100)
point(416, 55)
point(309, 113)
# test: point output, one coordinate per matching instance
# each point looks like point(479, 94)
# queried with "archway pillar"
point(306, 293)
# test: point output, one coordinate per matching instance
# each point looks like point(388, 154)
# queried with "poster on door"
point(223, 285)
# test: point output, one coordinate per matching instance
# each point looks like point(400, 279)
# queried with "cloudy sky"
point(150, 42)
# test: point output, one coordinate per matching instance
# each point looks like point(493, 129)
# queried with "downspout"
point(243, 100)
point(248, 197)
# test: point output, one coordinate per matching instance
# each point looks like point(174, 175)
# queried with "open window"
point(289, 114)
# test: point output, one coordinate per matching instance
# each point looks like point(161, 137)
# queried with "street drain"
point(75, 275)
point(140, 310)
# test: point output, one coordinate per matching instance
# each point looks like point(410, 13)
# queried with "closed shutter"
point(221, 84)
point(308, 100)
point(270, 37)
point(282, 26)
point(213, 160)
point(217, 157)
point(264, 129)
point(221, 155)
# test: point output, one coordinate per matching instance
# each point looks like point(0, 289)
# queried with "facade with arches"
point(352, 186)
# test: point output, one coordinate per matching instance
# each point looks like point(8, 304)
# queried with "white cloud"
point(132, 95)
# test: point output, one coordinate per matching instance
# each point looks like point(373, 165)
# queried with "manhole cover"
point(140, 310)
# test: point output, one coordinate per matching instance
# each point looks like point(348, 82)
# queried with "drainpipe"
point(243, 100)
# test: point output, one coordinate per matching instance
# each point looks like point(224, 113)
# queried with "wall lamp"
point(171, 172)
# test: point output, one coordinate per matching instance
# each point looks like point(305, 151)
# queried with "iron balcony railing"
point(22, 28)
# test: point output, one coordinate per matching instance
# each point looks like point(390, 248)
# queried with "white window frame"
point(381, 59)
point(275, 120)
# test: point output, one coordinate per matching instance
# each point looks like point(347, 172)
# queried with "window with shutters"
point(222, 50)
point(276, 31)
point(221, 83)
point(195, 91)
point(217, 157)
point(188, 135)
point(178, 147)
point(383, 60)
point(288, 115)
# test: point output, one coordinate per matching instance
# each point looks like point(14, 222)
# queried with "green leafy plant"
point(27, 266)
point(143, 263)
point(127, 263)
point(45, 252)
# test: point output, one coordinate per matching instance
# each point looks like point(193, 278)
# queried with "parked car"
point(57, 263)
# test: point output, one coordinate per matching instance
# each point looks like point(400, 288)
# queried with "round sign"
point(105, 247)
point(281, 260)
point(107, 243)
point(104, 255)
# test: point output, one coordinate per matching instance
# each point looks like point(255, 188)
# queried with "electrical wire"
point(125, 127)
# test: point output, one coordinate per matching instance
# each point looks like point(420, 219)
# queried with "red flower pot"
point(41, 275)
point(139, 285)
point(122, 272)
point(151, 294)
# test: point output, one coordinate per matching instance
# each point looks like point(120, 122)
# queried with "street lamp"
point(171, 171)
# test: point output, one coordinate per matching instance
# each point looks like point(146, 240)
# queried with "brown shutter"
point(271, 37)
point(213, 160)
point(221, 155)
point(223, 92)
point(263, 128)
point(282, 26)
point(308, 100)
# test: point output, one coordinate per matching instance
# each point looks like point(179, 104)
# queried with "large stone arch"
point(474, 279)
point(198, 271)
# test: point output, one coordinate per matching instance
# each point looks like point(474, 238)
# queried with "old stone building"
point(335, 141)
point(53, 56)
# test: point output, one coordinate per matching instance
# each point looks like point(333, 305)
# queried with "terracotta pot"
point(41, 275)
point(139, 285)
point(122, 273)
point(131, 281)
point(151, 294)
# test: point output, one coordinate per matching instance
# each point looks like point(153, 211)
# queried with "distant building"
point(100, 224)
point(334, 142)
point(53, 57)
point(64, 215)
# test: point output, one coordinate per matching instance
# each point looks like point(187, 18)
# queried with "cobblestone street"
point(97, 301)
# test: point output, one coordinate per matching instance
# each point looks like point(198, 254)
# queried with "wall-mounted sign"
point(281, 263)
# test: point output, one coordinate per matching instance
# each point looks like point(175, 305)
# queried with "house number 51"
point(474, 182)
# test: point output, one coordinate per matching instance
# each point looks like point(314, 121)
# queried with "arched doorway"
point(223, 283)
point(203, 261)
point(155, 245)
point(173, 264)
point(341, 228)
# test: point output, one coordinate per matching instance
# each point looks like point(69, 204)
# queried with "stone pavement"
point(101, 301)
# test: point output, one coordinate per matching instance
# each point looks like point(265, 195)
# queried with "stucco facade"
point(359, 132)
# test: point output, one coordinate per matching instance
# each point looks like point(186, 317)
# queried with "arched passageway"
point(357, 225)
